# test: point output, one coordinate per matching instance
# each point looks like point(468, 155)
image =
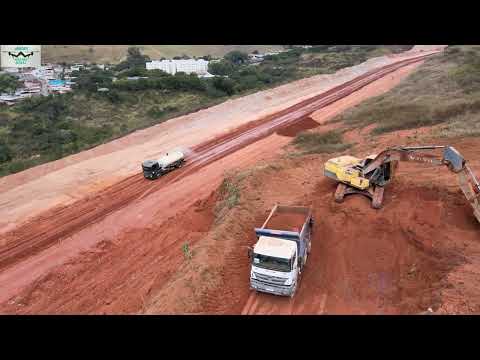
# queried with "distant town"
point(59, 79)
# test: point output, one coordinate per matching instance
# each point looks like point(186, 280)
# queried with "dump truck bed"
point(287, 218)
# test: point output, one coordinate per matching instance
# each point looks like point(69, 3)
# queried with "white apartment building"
point(189, 66)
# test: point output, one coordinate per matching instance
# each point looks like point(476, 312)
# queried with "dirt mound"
point(286, 221)
point(306, 124)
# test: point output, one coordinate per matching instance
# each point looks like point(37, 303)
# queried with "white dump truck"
point(153, 169)
point(281, 251)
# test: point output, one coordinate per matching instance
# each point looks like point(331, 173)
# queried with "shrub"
point(221, 68)
point(8, 83)
point(313, 142)
point(224, 85)
point(5, 152)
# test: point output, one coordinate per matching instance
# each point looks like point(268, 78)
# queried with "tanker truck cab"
point(274, 266)
point(150, 169)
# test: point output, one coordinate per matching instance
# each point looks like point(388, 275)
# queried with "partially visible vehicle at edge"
point(280, 253)
point(153, 169)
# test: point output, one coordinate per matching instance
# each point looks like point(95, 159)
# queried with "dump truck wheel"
point(340, 192)
point(377, 197)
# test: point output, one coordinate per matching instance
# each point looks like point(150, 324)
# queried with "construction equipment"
point(153, 169)
point(284, 242)
point(370, 175)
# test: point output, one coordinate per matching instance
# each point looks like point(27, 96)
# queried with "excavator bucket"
point(470, 190)
point(455, 161)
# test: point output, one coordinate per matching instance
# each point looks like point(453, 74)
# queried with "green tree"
point(236, 57)
point(225, 85)
point(94, 79)
point(221, 68)
point(135, 58)
point(5, 152)
point(8, 83)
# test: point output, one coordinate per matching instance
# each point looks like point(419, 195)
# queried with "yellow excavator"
point(369, 176)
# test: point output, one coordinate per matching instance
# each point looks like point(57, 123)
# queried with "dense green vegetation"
point(43, 129)
point(8, 83)
point(134, 59)
point(445, 90)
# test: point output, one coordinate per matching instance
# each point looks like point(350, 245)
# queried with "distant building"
point(189, 66)
point(77, 67)
point(11, 70)
point(206, 75)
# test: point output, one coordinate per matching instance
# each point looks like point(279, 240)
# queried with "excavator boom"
point(451, 157)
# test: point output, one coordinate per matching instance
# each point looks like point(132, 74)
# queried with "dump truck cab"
point(283, 243)
point(274, 266)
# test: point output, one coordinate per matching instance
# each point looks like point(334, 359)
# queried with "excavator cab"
point(384, 174)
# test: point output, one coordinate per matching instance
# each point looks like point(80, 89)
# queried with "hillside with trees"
point(60, 125)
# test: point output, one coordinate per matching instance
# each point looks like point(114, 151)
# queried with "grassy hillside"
point(444, 91)
point(115, 53)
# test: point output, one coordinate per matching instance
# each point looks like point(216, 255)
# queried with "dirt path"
point(127, 232)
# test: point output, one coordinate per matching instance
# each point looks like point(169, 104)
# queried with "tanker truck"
point(281, 251)
point(153, 169)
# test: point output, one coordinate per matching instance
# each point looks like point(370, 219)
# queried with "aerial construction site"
point(231, 204)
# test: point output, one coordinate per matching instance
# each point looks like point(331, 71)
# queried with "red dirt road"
point(111, 250)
